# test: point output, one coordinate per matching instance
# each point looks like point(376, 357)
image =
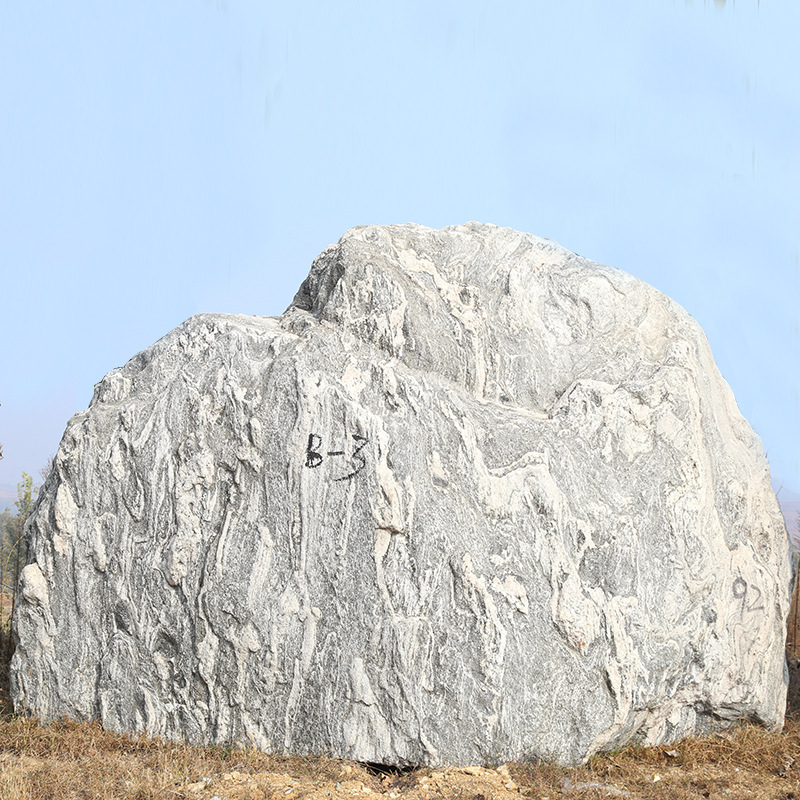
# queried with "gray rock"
point(472, 497)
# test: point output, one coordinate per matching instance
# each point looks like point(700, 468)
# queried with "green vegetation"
point(13, 552)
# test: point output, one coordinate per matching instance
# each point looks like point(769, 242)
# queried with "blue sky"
point(160, 159)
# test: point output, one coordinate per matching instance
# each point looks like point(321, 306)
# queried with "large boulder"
point(471, 497)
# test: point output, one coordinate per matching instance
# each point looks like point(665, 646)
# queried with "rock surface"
point(470, 498)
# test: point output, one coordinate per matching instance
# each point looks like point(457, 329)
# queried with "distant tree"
point(47, 468)
point(8, 535)
point(26, 495)
point(797, 546)
point(13, 552)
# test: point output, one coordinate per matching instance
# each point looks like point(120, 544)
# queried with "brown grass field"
point(73, 760)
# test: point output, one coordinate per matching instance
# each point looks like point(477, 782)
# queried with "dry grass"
point(746, 761)
point(81, 760)
point(73, 760)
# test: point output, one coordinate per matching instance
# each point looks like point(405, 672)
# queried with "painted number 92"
point(740, 592)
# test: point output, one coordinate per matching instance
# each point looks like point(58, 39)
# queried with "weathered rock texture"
point(471, 497)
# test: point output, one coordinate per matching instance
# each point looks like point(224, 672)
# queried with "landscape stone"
point(472, 498)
